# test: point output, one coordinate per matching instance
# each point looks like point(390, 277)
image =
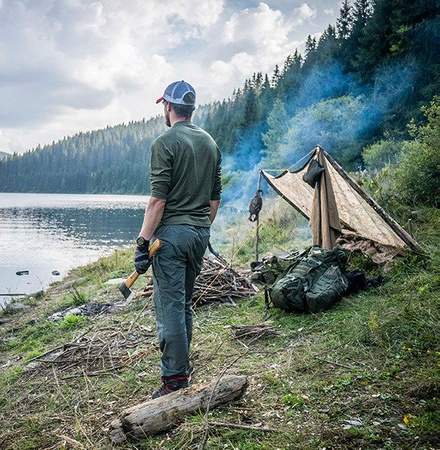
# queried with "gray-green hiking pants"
point(175, 268)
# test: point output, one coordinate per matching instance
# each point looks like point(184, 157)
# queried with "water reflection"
point(43, 233)
point(96, 227)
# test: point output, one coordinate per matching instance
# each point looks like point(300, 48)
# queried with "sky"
point(77, 65)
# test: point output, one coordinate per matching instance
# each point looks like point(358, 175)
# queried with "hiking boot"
point(171, 384)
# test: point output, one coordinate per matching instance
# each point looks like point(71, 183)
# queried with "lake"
point(50, 233)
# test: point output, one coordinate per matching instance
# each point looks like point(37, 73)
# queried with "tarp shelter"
point(358, 212)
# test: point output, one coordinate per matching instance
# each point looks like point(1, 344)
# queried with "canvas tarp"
point(358, 212)
point(324, 217)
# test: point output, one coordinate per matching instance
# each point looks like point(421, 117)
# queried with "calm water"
point(43, 233)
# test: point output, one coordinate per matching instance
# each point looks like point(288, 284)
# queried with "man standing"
point(185, 174)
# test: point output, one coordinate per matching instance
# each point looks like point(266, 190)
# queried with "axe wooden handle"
point(131, 279)
point(157, 244)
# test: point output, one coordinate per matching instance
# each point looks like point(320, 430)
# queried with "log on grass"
point(161, 414)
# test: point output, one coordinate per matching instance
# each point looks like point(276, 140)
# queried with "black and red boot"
point(171, 384)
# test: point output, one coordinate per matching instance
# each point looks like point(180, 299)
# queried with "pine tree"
point(276, 76)
point(328, 47)
point(350, 46)
point(361, 12)
point(344, 23)
point(290, 81)
point(310, 45)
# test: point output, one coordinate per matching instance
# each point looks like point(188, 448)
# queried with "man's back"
point(185, 170)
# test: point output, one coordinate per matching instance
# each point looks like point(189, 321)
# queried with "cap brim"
point(159, 100)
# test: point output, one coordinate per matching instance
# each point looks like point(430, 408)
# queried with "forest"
point(364, 91)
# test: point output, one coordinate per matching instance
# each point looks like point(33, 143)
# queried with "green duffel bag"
point(326, 290)
point(289, 290)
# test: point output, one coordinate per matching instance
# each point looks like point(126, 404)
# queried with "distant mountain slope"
point(112, 160)
point(4, 155)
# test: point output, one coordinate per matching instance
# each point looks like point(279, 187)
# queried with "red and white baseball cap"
point(176, 92)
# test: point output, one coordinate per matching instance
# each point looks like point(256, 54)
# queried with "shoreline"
point(8, 299)
point(43, 233)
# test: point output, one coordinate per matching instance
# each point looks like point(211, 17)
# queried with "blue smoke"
point(342, 125)
point(330, 109)
point(322, 83)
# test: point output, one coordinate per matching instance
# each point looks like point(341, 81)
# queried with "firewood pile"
point(218, 282)
point(102, 353)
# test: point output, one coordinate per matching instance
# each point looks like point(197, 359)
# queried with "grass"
point(361, 375)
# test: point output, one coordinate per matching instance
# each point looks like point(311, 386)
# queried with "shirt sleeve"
point(217, 188)
point(161, 164)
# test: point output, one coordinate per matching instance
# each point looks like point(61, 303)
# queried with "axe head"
point(126, 291)
point(127, 284)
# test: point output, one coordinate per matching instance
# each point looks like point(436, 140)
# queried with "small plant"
point(293, 400)
point(72, 321)
point(78, 298)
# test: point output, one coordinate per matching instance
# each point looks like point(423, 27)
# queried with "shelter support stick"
point(318, 187)
point(257, 240)
point(257, 232)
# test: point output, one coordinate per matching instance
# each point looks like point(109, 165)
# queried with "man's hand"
point(141, 258)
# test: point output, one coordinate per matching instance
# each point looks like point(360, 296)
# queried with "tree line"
point(112, 160)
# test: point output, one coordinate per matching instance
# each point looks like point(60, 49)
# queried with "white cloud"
point(83, 54)
point(72, 65)
point(195, 12)
point(255, 25)
point(329, 12)
point(265, 32)
point(240, 66)
point(222, 72)
point(302, 13)
point(254, 40)
point(5, 142)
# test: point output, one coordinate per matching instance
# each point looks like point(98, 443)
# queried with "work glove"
point(141, 259)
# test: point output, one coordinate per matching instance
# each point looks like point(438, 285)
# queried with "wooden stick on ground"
point(242, 427)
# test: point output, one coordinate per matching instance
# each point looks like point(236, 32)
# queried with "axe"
point(128, 283)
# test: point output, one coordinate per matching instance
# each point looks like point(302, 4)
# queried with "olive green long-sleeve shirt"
point(185, 170)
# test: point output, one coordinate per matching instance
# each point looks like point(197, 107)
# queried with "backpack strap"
point(266, 297)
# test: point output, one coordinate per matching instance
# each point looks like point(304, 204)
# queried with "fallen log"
point(161, 414)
